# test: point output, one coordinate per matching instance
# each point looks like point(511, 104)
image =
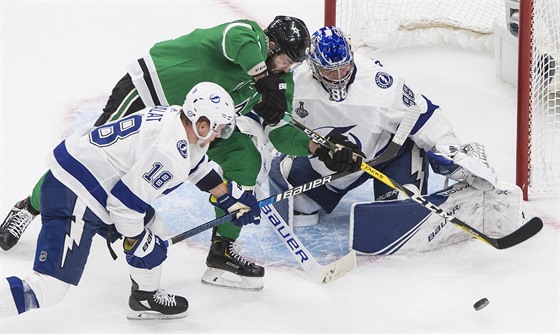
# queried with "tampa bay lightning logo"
point(301, 111)
point(383, 80)
point(183, 148)
point(215, 98)
point(344, 130)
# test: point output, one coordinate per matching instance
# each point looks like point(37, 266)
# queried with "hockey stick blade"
point(529, 229)
point(318, 273)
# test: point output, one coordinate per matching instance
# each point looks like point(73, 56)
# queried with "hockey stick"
point(269, 200)
point(317, 273)
point(529, 229)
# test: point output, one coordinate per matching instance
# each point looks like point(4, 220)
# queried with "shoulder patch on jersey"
point(301, 111)
point(383, 80)
point(183, 148)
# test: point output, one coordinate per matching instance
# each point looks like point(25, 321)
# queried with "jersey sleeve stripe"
point(425, 116)
point(127, 197)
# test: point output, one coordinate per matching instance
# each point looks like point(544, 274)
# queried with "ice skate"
point(156, 305)
point(15, 223)
point(226, 268)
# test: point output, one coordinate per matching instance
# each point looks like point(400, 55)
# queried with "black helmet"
point(291, 37)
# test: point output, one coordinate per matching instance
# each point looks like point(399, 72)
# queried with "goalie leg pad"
point(503, 210)
point(301, 173)
point(409, 167)
point(404, 227)
point(300, 210)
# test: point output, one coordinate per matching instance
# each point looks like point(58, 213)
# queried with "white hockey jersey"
point(119, 168)
point(371, 113)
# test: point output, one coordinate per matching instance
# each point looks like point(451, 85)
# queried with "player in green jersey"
point(253, 66)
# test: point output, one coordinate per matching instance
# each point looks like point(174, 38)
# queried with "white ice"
point(59, 58)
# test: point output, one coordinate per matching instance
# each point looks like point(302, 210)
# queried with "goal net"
point(470, 24)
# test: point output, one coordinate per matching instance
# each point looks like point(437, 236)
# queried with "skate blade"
point(153, 315)
point(225, 279)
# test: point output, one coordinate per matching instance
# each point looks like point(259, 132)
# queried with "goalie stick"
point(529, 229)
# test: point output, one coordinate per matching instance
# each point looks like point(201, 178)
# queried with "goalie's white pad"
point(404, 226)
point(466, 163)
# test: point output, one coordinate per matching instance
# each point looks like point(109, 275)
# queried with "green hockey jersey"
point(230, 55)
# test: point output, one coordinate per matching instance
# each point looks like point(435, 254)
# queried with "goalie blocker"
point(404, 227)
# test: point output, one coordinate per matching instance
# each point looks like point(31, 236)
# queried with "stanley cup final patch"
point(301, 111)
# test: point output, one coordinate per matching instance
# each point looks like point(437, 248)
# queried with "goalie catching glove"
point(273, 103)
point(346, 158)
point(241, 200)
point(466, 163)
point(145, 251)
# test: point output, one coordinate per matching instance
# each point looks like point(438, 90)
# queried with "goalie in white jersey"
point(356, 102)
point(101, 181)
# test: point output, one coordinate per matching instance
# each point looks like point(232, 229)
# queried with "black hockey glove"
point(347, 157)
point(273, 103)
point(340, 139)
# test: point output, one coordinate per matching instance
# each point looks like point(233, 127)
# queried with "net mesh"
point(469, 24)
point(544, 130)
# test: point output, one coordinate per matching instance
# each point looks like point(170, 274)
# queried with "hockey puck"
point(479, 305)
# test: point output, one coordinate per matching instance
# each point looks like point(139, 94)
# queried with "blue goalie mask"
point(332, 61)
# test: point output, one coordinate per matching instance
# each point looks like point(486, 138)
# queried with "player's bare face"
point(337, 74)
point(280, 63)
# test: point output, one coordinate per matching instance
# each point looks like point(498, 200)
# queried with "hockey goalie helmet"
point(332, 61)
point(210, 100)
point(291, 37)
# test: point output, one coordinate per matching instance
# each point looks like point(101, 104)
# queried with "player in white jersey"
point(101, 181)
point(354, 101)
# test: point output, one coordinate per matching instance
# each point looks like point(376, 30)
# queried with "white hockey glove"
point(466, 163)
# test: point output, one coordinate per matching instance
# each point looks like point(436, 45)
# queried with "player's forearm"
point(219, 190)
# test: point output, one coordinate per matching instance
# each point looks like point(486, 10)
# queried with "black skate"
point(15, 223)
point(149, 305)
point(223, 261)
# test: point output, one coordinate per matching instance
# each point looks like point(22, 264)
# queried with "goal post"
point(523, 98)
point(473, 24)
